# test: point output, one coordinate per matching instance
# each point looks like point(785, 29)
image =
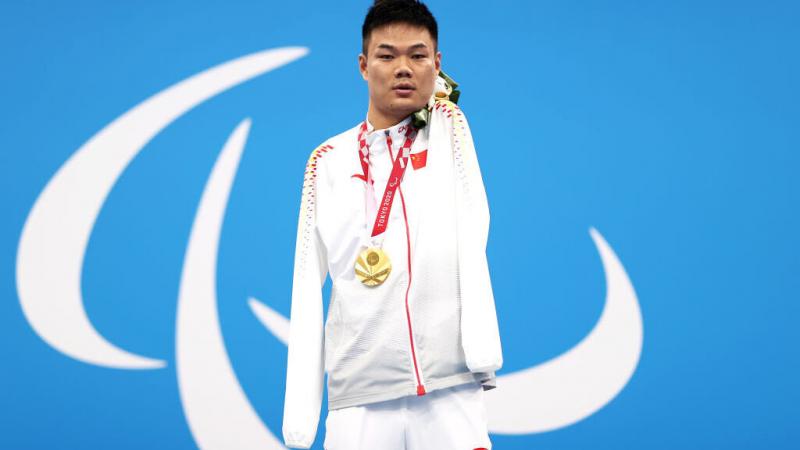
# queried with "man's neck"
point(380, 121)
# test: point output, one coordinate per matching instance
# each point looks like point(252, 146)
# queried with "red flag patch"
point(419, 159)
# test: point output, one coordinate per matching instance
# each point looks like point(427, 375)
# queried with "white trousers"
point(451, 418)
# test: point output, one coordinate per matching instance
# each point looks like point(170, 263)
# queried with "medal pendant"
point(373, 266)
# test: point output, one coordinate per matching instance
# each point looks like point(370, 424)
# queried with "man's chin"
point(408, 106)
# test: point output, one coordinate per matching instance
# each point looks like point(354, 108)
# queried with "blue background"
point(671, 127)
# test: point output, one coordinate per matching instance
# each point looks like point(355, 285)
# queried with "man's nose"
point(403, 68)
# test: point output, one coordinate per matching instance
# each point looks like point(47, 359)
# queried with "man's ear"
point(437, 62)
point(362, 65)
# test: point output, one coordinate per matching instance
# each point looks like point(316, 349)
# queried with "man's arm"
point(305, 367)
point(479, 329)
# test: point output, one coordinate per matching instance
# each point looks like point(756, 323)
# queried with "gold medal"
point(373, 266)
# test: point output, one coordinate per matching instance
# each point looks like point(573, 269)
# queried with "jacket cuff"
point(484, 367)
point(295, 440)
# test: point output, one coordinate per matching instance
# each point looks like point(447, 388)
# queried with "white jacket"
point(432, 324)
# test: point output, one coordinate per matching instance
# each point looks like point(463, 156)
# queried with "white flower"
point(441, 90)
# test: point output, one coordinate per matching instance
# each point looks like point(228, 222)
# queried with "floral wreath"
point(445, 89)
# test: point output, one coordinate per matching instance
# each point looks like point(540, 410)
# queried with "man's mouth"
point(403, 89)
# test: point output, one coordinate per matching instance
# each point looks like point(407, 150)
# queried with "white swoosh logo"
point(565, 389)
point(56, 232)
point(216, 407)
point(576, 384)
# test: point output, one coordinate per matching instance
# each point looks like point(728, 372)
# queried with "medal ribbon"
point(398, 170)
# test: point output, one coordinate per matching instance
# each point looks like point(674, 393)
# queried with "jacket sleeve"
point(479, 329)
point(305, 363)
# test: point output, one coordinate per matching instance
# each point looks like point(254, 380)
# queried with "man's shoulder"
point(446, 105)
point(446, 110)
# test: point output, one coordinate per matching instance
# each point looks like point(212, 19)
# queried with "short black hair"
point(384, 12)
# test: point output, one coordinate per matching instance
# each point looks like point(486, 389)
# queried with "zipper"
point(420, 386)
point(417, 372)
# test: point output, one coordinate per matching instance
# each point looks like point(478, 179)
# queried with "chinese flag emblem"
point(419, 159)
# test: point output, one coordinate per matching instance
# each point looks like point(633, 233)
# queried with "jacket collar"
point(376, 138)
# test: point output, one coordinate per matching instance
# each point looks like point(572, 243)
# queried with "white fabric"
point(452, 418)
point(436, 240)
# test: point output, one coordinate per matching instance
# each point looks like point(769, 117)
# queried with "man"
point(398, 216)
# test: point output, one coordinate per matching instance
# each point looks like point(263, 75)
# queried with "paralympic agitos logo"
point(53, 242)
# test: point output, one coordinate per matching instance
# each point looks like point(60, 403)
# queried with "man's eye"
point(385, 56)
point(419, 56)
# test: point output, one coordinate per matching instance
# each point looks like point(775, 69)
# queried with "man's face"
point(400, 68)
